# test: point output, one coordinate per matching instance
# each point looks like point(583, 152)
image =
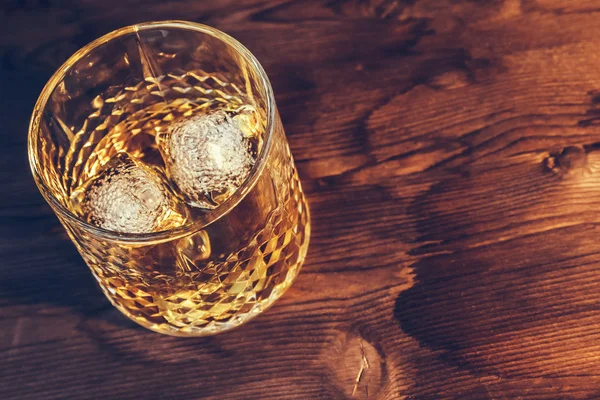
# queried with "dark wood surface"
point(450, 150)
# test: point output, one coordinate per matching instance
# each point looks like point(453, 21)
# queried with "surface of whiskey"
point(158, 156)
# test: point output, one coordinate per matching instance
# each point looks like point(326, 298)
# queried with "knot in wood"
point(356, 365)
point(572, 159)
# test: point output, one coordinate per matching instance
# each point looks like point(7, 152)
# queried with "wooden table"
point(450, 150)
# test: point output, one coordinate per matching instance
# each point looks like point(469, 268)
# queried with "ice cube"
point(207, 156)
point(129, 197)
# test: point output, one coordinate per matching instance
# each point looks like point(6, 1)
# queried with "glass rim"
point(190, 226)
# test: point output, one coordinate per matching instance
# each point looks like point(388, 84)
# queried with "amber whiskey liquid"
point(149, 167)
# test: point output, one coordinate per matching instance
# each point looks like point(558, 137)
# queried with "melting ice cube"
point(128, 196)
point(207, 156)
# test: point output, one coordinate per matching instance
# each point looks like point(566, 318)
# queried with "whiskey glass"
point(213, 258)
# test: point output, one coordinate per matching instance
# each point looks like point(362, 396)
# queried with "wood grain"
point(450, 150)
